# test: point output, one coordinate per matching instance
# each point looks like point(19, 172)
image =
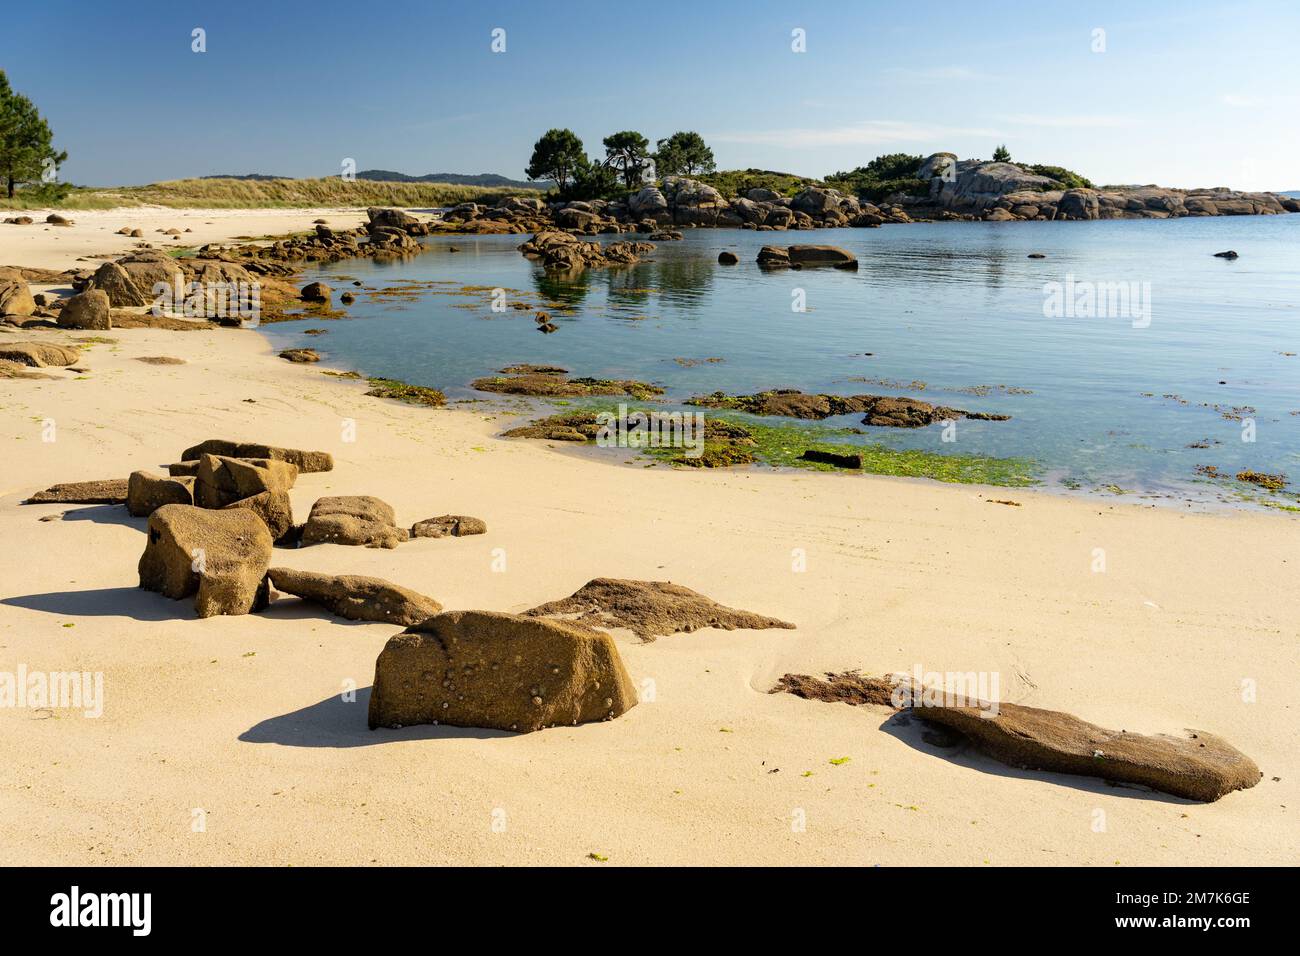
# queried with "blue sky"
point(1185, 94)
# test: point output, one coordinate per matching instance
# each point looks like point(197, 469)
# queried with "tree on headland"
point(558, 155)
point(629, 153)
point(27, 153)
point(1002, 154)
point(683, 154)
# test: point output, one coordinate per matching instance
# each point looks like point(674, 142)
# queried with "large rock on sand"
point(649, 609)
point(1194, 765)
point(86, 310)
point(307, 461)
point(220, 557)
point(353, 519)
point(116, 283)
point(146, 493)
point(356, 597)
point(39, 354)
point(221, 480)
point(501, 671)
point(15, 296)
point(258, 484)
point(150, 270)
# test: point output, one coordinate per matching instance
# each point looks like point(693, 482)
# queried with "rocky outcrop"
point(564, 252)
point(976, 189)
point(353, 520)
point(498, 671)
point(649, 609)
point(822, 256)
point(356, 597)
point(219, 557)
point(149, 268)
point(300, 356)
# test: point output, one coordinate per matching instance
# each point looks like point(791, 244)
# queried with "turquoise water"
point(950, 305)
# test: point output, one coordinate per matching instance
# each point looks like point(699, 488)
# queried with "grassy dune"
point(268, 194)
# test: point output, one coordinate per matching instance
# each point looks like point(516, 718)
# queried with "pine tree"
point(27, 153)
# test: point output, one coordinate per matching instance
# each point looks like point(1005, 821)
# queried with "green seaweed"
point(405, 392)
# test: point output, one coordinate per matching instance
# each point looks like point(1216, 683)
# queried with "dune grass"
point(269, 194)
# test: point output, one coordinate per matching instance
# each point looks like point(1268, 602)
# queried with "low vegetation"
point(268, 194)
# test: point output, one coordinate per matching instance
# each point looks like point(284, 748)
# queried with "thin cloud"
point(866, 133)
point(1066, 121)
point(1238, 102)
point(936, 73)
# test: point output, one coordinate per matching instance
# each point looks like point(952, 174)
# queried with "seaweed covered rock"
point(649, 609)
point(549, 380)
point(882, 411)
point(356, 597)
point(307, 461)
point(353, 520)
point(220, 557)
point(500, 671)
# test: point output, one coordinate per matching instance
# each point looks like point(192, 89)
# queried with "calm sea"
point(1176, 348)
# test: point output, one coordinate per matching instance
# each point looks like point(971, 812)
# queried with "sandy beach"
point(241, 722)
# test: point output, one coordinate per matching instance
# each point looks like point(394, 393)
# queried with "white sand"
point(241, 717)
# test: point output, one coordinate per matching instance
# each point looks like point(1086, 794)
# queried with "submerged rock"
point(300, 355)
point(551, 381)
point(650, 609)
point(498, 671)
point(356, 597)
point(220, 557)
point(884, 411)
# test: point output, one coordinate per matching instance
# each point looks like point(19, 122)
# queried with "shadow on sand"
point(335, 722)
point(938, 741)
point(106, 602)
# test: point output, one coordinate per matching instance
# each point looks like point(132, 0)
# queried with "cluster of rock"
point(565, 252)
point(17, 359)
point(882, 411)
point(975, 189)
point(1194, 765)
